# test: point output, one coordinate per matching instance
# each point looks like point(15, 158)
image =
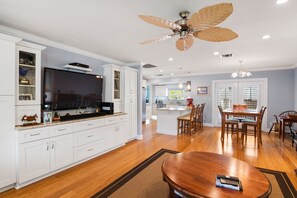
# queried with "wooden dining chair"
point(253, 123)
point(197, 117)
point(230, 121)
point(186, 123)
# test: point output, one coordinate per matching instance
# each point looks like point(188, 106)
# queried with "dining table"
point(247, 113)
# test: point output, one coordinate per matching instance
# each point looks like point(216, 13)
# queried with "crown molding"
point(10, 38)
point(225, 72)
point(47, 42)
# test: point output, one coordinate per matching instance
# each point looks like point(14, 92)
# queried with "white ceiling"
point(112, 28)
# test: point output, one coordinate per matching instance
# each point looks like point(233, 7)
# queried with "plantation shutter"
point(251, 97)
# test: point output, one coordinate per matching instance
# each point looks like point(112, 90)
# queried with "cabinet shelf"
point(26, 85)
point(29, 66)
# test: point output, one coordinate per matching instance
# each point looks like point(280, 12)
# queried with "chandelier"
point(241, 73)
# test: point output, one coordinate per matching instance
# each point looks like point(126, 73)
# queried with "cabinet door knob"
point(47, 147)
point(53, 146)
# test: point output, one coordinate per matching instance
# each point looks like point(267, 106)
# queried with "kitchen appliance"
point(107, 107)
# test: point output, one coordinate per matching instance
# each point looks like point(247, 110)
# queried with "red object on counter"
point(190, 102)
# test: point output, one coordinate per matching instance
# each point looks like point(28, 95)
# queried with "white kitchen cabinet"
point(7, 142)
point(112, 85)
point(33, 160)
point(161, 91)
point(130, 82)
point(115, 135)
point(131, 110)
point(39, 157)
point(61, 151)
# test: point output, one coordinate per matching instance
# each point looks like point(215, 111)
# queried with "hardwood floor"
point(88, 178)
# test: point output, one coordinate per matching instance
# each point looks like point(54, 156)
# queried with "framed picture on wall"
point(203, 90)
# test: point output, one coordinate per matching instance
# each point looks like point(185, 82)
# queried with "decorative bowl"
point(23, 71)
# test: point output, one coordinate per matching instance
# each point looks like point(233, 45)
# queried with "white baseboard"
point(139, 137)
point(208, 124)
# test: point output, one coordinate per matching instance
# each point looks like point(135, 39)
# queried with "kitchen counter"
point(167, 119)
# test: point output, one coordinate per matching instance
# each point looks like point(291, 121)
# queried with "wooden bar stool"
point(186, 123)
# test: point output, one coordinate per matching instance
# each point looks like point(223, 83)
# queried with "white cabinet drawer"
point(88, 150)
point(88, 136)
point(121, 118)
point(61, 130)
point(111, 120)
point(85, 125)
point(33, 134)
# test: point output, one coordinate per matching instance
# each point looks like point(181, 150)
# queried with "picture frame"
point(25, 96)
point(47, 117)
point(203, 90)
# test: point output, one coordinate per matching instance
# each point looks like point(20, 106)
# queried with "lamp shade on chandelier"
point(241, 73)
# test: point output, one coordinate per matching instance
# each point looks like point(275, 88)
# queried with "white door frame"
point(264, 94)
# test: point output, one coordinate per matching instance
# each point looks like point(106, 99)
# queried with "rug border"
point(116, 184)
point(111, 188)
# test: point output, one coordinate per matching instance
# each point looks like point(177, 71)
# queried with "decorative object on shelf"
point(27, 120)
point(78, 67)
point(56, 117)
point(188, 87)
point(202, 90)
point(189, 102)
point(47, 117)
point(25, 96)
point(241, 73)
point(24, 81)
point(23, 71)
point(202, 25)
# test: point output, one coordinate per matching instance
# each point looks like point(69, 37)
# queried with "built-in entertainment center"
point(98, 113)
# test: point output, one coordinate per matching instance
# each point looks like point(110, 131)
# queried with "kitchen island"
point(167, 119)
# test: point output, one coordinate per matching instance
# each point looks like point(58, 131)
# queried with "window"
point(176, 94)
point(251, 95)
point(225, 97)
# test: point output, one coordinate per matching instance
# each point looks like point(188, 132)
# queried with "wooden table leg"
point(283, 130)
point(259, 137)
point(223, 127)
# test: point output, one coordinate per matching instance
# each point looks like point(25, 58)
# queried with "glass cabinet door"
point(28, 63)
point(117, 84)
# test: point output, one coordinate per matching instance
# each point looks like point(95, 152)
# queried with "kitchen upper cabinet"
point(112, 85)
point(130, 82)
point(161, 91)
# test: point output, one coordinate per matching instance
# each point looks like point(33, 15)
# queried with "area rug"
point(145, 180)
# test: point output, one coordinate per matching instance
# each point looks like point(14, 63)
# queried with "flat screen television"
point(63, 90)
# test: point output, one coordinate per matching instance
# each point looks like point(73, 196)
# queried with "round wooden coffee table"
point(193, 174)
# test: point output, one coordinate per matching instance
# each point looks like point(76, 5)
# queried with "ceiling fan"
point(200, 25)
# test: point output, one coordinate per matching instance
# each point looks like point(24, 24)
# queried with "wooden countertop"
point(20, 128)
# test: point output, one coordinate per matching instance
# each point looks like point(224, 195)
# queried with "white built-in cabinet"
point(45, 150)
point(28, 80)
point(7, 111)
point(130, 100)
point(112, 86)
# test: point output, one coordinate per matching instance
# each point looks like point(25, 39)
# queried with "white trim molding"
point(51, 43)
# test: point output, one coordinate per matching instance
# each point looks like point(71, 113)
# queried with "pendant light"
point(241, 73)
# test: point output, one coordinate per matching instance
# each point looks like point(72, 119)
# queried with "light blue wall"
point(56, 58)
point(280, 90)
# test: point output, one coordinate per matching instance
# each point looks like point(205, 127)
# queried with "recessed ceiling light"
point(170, 59)
point(216, 53)
point(281, 1)
point(171, 74)
point(266, 36)
point(161, 70)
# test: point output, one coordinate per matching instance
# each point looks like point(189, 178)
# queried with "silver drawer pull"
point(34, 134)
point(90, 124)
point(62, 129)
point(90, 149)
point(90, 135)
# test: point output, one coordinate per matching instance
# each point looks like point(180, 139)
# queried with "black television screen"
point(71, 90)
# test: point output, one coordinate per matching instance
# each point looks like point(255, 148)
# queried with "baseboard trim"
point(139, 137)
point(7, 187)
point(208, 124)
